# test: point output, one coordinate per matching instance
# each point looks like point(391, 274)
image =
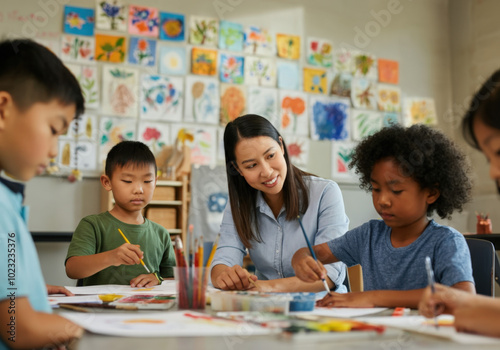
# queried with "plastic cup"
point(191, 287)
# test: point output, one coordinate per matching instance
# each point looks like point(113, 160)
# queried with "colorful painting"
point(365, 123)
point(231, 69)
point(143, 21)
point(203, 61)
point(233, 102)
point(161, 97)
point(172, 26)
point(294, 118)
point(260, 71)
point(388, 71)
point(341, 85)
point(142, 51)
point(390, 119)
point(298, 149)
point(79, 20)
point(203, 31)
point(319, 52)
point(315, 81)
point(77, 48)
point(419, 111)
point(342, 156)
point(264, 102)
point(119, 91)
point(113, 131)
point(154, 134)
point(389, 98)
point(329, 118)
point(288, 76)
point(204, 144)
point(110, 48)
point(258, 41)
point(76, 154)
point(344, 61)
point(365, 66)
point(111, 15)
point(288, 46)
point(173, 60)
point(231, 36)
point(202, 101)
point(364, 93)
point(89, 83)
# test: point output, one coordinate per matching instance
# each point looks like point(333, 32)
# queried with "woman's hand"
point(233, 278)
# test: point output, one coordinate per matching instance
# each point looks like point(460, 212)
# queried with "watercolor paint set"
point(146, 301)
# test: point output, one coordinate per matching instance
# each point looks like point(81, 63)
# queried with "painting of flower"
point(288, 46)
point(389, 98)
point(77, 48)
point(119, 91)
point(365, 123)
point(315, 80)
point(419, 110)
point(203, 144)
point(298, 149)
point(388, 71)
point(172, 26)
point(365, 66)
point(329, 118)
point(111, 15)
point(231, 69)
point(87, 77)
point(231, 36)
point(161, 97)
point(142, 51)
point(319, 52)
point(203, 31)
point(294, 118)
point(344, 61)
point(78, 20)
point(110, 48)
point(172, 60)
point(263, 101)
point(260, 71)
point(143, 21)
point(232, 102)
point(258, 41)
point(113, 131)
point(155, 135)
point(203, 61)
point(202, 102)
point(342, 152)
point(364, 93)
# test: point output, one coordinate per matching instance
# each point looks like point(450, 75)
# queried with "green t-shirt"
point(99, 233)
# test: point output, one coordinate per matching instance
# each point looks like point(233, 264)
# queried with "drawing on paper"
point(365, 66)
point(202, 100)
point(119, 91)
point(365, 123)
point(203, 145)
point(389, 98)
point(315, 80)
point(364, 93)
point(232, 102)
point(294, 119)
point(203, 31)
point(231, 36)
point(342, 156)
point(288, 46)
point(154, 134)
point(70, 151)
point(319, 52)
point(258, 41)
point(143, 21)
point(341, 85)
point(231, 69)
point(203, 61)
point(142, 51)
point(86, 130)
point(298, 149)
point(111, 15)
point(172, 60)
point(344, 61)
point(388, 71)
point(172, 26)
point(78, 20)
point(260, 71)
point(329, 118)
point(113, 131)
point(288, 75)
point(77, 48)
point(87, 78)
point(161, 97)
point(264, 102)
point(110, 48)
point(419, 111)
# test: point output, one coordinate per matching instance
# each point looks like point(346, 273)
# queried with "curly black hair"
point(424, 154)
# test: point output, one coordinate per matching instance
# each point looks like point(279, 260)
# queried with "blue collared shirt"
point(324, 220)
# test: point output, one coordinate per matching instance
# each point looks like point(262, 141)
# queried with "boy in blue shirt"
point(411, 173)
point(39, 98)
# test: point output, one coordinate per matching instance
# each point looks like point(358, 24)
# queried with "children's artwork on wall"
point(419, 111)
point(264, 102)
point(202, 101)
point(341, 84)
point(298, 149)
point(388, 71)
point(85, 131)
point(329, 118)
point(365, 66)
point(79, 20)
point(389, 98)
point(231, 69)
point(344, 61)
point(258, 41)
point(73, 154)
point(342, 156)
point(233, 102)
point(154, 134)
point(172, 60)
point(143, 20)
point(260, 71)
point(315, 80)
point(294, 118)
point(77, 48)
point(172, 26)
point(288, 46)
point(161, 97)
point(204, 144)
point(119, 91)
point(203, 31)
point(364, 93)
point(231, 36)
point(111, 132)
point(319, 52)
point(389, 119)
point(110, 48)
point(288, 76)
point(142, 51)
point(111, 15)
point(89, 83)
point(203, 61)
point(365, 123)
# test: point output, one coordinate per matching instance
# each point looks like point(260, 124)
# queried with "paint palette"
point(147, 301)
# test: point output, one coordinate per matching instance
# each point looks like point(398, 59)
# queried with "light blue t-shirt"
point(389, 268)
point(325, 219)
point(25, 279)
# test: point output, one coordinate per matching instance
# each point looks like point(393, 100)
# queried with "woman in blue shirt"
point(266, 194)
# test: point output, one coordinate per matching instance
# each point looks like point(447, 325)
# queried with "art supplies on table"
point(483, 224)
point(146, 301)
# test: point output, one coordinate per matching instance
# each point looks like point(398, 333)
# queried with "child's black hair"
point(133, 153)
point(424, 154)
point(31, 73)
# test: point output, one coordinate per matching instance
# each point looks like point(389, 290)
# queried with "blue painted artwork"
point(172, 60)
point(172, 26)
point(79, 20)
point(329, 120)
point(231, 36)
point(288, 76)
point(390, 118)
point(142, 51)
point(231, 69)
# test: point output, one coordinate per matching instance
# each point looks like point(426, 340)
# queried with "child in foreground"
point(411, 173)
point(98, 253)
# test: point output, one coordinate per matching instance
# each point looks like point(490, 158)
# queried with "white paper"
point(341, 312)
point(76, 299)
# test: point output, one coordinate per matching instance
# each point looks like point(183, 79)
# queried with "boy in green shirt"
point(98, 254)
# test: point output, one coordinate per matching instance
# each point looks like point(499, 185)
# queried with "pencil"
point(430, 277)
point(312, 252)
point(126, 240)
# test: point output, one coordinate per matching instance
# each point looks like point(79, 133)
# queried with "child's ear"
point(106, 182)
point(432, 196)
point(6, 103)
